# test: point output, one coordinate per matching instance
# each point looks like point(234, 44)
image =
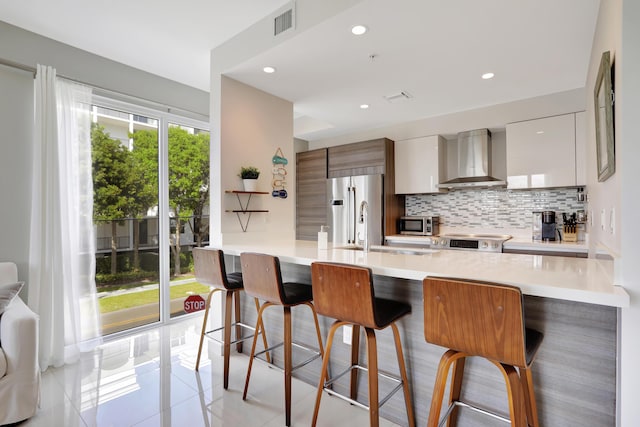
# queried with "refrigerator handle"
point(352, 215)
point(348, 215)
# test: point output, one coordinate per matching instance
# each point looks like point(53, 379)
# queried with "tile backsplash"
point(493, 208)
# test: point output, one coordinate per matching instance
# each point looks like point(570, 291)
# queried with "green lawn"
point(134, 299)
point(135, 284)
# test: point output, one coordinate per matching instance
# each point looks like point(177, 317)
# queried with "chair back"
point(480, 319)
point(262, 277)
point(209, 267)
point(344, 292)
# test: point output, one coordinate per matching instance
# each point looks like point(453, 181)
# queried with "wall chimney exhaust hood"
point(474, 162)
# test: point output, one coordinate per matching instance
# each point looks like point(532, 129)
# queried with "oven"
point(470, 242)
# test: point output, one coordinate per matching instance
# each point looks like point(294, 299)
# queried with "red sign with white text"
point(194, 303)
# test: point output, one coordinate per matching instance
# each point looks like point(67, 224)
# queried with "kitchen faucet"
point(364, 219)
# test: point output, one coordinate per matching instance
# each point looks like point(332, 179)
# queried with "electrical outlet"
point(346, 334)
point(612, 221)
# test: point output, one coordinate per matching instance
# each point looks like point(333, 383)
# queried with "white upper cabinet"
point(542, 153)
point(419, 165)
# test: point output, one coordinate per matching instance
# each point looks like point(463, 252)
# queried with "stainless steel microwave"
point(419, 225)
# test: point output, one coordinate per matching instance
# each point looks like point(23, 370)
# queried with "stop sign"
point(193, 303)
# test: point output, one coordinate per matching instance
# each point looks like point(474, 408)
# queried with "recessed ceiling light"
point(488, 76)
point(540, 132)
point(364, 106)
point(358, 30)
point(269, 70)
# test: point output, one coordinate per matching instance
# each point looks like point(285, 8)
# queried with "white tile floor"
point(149, 380)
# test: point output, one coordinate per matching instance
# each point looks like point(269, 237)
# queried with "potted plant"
point(249, 175)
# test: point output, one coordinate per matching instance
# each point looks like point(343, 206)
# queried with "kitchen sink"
point(391, 250)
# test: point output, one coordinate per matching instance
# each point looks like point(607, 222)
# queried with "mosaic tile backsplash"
point(493, 208)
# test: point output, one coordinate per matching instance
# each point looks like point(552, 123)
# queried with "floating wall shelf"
point(244, 207)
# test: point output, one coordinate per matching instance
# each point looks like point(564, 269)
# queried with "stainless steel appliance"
point(536, 226)
point(419, 225)
point(474, 162)
point(549, 227)
point(346, 225)
point(470, 242)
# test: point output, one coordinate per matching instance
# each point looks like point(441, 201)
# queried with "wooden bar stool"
point(345, 293)
point(210, 270)
point(263, 280)
point(487, 320)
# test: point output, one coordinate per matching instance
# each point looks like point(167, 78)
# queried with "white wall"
point(618, 32)
point(628, 155)
point(252, 126)
point(16, 123)
point(604, 195)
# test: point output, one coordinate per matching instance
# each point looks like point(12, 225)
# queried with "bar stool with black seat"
point(210, 270)
point(474, 318)
point(263, 280)
point(345, 292)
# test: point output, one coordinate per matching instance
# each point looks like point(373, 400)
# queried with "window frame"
point(165, 116)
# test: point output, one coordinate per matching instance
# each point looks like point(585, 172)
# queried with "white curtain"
point(62, 245)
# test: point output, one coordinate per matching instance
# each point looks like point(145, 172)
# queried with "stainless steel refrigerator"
point(344, 211)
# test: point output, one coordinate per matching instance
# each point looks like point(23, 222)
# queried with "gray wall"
point(16, 118)
point(16, 130)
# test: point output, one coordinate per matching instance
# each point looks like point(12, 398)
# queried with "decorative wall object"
point(279, 180)
point(603, 96)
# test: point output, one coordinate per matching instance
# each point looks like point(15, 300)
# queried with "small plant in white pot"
point(249, 175)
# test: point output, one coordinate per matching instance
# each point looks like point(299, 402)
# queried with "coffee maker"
point(543, 226)
point(548, 226)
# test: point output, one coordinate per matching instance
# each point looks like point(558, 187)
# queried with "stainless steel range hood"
point(474, 162)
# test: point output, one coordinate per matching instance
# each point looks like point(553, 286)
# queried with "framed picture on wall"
point(603, 98)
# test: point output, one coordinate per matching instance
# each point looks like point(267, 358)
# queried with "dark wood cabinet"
point(375, 157)
point(311, 193)
point(360, 158)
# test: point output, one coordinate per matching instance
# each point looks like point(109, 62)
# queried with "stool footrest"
point(209, 334)
point(382, 401)
point(315, 352)
point(473, 408)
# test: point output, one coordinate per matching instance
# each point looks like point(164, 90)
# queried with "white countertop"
point(573, 279)
point(519, 243)
point(409, 238)
point(557, 246)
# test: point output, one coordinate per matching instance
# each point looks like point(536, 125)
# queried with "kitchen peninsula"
point(572, 301)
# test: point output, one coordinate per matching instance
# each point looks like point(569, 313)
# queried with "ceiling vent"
point(284, 21)
point(397, 97)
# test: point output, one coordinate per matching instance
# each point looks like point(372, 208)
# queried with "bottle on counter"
point(323, 237)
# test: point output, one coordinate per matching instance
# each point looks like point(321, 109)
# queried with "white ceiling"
point(435, 50)
point(172, 39)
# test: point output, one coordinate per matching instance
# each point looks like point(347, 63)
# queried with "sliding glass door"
point(188, 180)
point(151, 187)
